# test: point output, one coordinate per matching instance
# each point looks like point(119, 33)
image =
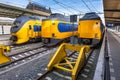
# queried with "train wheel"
point(90, 41)
point(85, 41)
point(38, 39)
point(46, 41)
point(33, 40)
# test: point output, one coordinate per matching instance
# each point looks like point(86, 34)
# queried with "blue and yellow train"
point(57, 28)
point(26, 28)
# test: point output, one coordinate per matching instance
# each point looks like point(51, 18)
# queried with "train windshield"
point(20, 21)
point(16, 23)
point(90, 16)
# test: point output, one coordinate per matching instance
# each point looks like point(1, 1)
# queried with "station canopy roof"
point(13, 11)
point(112, 11)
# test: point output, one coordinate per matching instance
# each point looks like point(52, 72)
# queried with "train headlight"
point(7, 49)
point(53, 22)
point(18, 24)
point(96, 35)
point(13, 38)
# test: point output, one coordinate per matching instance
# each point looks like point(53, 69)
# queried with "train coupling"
point(3, 57)
point(61, 60)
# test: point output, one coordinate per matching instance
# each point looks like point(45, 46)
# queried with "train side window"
point(64, 24)
point(30, 27)
point(53, 23)
point(97, 23)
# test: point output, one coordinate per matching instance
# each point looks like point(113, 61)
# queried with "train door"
point(30, 31)
point(53, 29)
point(37, 30)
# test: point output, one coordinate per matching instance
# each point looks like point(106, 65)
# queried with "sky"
point(67, 7)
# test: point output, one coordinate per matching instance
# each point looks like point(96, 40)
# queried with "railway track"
point(19, 58)
point(23, 46)
point(28, 50)
point(42, 70)
point(62, 75)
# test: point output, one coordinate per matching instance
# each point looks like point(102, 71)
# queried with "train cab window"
point(30, 27)
point(16, 24)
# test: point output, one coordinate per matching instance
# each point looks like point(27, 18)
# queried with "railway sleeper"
point(62, 61)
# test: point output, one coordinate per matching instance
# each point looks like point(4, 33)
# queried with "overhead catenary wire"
point(93, 6)
point(71, 7)
point(86, 5)
point(63, 6)
point(21, 5)
point(75, 3)
point(50, 7)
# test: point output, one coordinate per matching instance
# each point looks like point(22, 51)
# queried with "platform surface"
point(114, 53)
point(5, 39)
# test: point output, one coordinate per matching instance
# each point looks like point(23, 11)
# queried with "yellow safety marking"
point(62, 68)
point(61, 60)
point(79, 63)
point(71, 58)
point(3, 57)
point(69, 63)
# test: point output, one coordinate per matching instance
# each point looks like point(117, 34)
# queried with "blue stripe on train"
point(37, 28)
point(65, 27)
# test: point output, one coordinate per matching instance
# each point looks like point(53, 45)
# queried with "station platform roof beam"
point(112, 11)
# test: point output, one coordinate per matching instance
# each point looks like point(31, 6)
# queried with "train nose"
point(13, 38)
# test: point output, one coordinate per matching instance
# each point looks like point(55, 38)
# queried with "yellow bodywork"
point(89, 29)
point(25, 33)
point(75, 64)
point(50, 30)
point(3, 57)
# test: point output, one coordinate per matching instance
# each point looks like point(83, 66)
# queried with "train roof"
point(28, 17)
point(90, 16)
point(58, 16)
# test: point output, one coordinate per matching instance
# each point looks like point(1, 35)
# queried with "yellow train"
point(26, 28)
point(56, 28)
point(90, 29)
